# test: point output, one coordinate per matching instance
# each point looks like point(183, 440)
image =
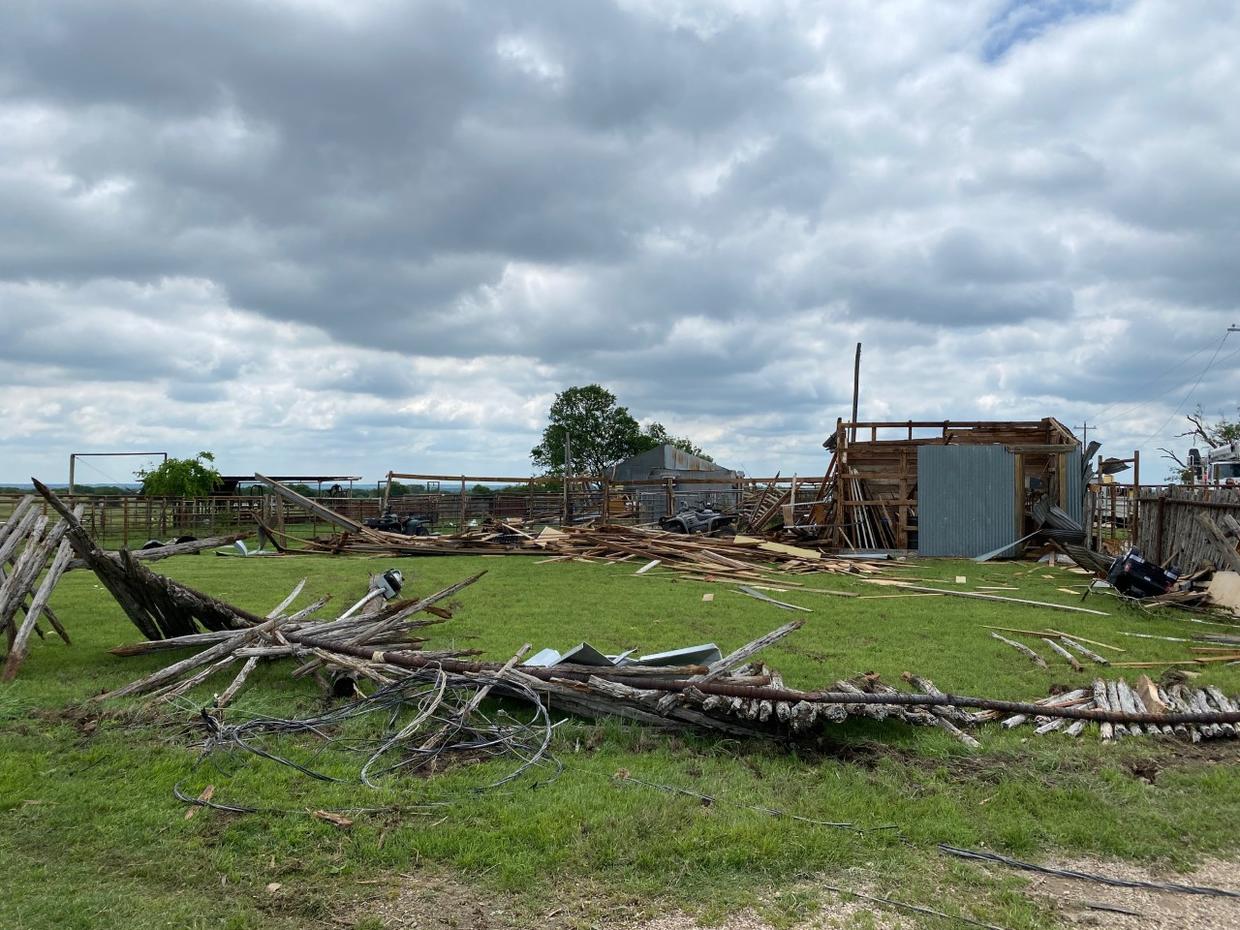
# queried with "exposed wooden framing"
point(872, 477)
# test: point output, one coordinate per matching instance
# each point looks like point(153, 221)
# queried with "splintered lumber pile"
point(314, 643)
point(1156, 704)
point(742, 557)
point(759, 511)
point(34, 553)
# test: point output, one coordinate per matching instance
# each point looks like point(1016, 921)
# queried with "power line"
point(1158, 432)
point(1150, 381)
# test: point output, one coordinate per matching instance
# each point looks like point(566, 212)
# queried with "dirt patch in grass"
point(836, 913)
point(1085, 904)
point(431, 901)
point(1167, 756)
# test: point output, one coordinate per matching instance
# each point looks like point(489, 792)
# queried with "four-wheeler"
point(700, 519)
point(406, 525)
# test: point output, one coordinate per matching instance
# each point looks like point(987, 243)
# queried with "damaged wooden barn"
point(948, 488)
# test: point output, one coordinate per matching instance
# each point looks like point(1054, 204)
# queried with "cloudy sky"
point(347, 236)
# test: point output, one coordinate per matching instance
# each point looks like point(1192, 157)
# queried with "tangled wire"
point(426, 722)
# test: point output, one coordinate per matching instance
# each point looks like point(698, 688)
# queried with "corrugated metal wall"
point(1073, 481)
point(966, 499)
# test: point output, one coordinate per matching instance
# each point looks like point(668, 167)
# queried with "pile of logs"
point(733, 696)
point(1147, 697)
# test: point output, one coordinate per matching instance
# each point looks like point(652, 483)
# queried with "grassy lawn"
point(92, 837)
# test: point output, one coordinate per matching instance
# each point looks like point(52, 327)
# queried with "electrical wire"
point(1158, 432)
point(1086, 876)
point(427, 720)
point(1128, 408)
point(915, 908)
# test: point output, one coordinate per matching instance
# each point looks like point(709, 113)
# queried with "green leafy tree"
point(602, 432)
point(196, 477)
point(401, 490)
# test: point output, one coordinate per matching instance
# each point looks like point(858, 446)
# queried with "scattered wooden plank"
point(758, 595)
point(1004, 600)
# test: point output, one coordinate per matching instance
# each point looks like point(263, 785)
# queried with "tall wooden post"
point(460, 527)
point(856, 388)
point(1134, 505)
point(568, 470)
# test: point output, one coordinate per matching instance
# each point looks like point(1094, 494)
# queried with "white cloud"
point(307, 239)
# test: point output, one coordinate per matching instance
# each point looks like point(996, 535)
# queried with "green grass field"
point(92, 837)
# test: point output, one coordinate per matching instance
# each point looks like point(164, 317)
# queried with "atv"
point(393, 523)
point(702, 519)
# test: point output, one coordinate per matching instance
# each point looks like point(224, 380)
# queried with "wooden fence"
point(1171, 531)
point(128, 521)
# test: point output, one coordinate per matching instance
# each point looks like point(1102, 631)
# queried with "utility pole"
point(856, 391)
point(568, 470)
point(1084, 428)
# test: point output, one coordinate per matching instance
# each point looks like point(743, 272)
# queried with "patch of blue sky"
point(1020, 21)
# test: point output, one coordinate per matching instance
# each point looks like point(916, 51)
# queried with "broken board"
point(1224, 590)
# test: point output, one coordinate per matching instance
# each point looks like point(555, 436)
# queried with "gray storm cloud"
point(370, 235)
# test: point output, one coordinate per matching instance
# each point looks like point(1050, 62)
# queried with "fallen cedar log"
point(411, 660)
point(163, 552)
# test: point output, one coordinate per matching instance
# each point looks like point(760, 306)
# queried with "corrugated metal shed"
point(666, 461)
point(966, 499)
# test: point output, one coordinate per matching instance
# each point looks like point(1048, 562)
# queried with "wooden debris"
point(1077, 647)
point(757, 595)
point(1064, 654)
point(33, 557)
point(1023, 649)
point(1006, 600)
point(163, 552)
